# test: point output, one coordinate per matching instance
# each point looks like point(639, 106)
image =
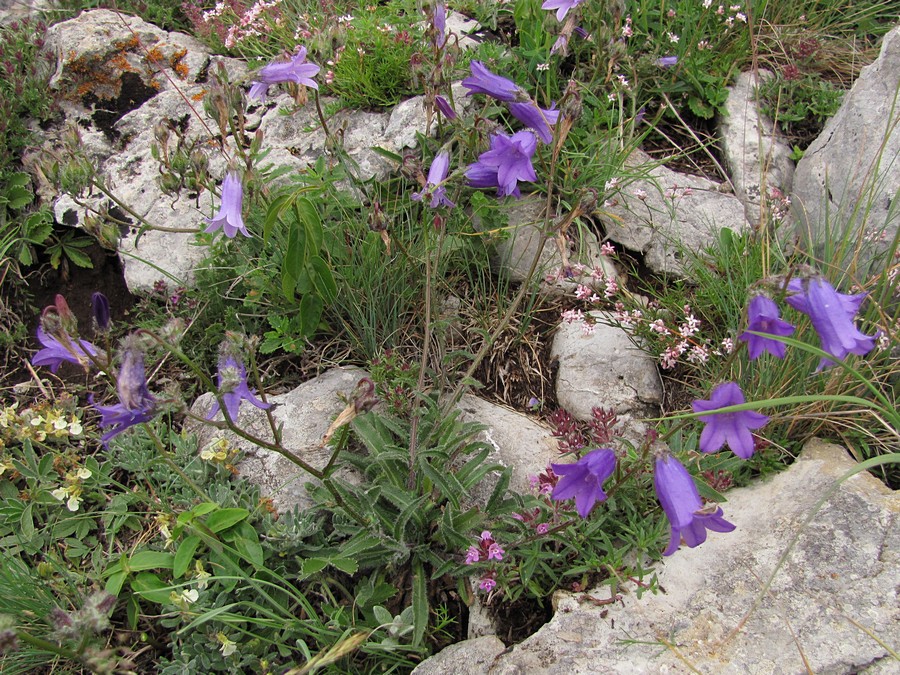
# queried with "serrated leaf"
point(345, 565)
point(79, 258)
point(312, 566)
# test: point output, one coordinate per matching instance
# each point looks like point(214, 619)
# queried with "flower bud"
point(100, 308)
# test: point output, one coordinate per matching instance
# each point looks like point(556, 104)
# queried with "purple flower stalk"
point(233, 388)
point(562, 7)
point(440, 167)
point(831, 314)
point(681, 503)
point(732, 427)
point(295, 70)
point(584, 479)
point(667, 61)
point(136, 405)
point(56, 351)
point(483, 81)
point(229, 217)
point(536, 118)
point(763, 317)
point(507, 162)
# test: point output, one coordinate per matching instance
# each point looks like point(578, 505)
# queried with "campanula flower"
point(667, 61)
point(507, 162)
point(440, 167)
point(296, 70)
point(763, 317)
point(136, 404)
point(584, 479)
point(233, 388)
point(483, 81)
point(100, 309)
point(831, 314)
point(444, 106)
point(562, 7)
point(536, 118)
point(229, 217)
point(439, 19)
point(56, 351)
point(732, 427)
point(680, 500)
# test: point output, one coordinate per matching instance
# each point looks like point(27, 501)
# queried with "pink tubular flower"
point(229, 217)
point(295, 70)
point(487, 584)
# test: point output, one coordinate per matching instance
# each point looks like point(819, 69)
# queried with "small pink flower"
point(487, 584)
point(543, 528)
point(473, 555)
point(495, 552)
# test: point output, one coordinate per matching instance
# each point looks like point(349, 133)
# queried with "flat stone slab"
point(835, 593)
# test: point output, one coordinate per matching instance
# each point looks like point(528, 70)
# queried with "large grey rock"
point(848, 180)
point(665, 214)
point(828, 606)
point(604, 369)
point(519, 441)
point(306, 413)
point(470, 657)
point(758, 157)
point(515, 248)
point(16, 10)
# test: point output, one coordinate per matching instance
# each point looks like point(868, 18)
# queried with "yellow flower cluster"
point(40, 422)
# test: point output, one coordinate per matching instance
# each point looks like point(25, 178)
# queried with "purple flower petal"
point(229, 217)
point(732, 428)
point(584, 479)
point(483, 81)
point(296, 70)
point(763, 317)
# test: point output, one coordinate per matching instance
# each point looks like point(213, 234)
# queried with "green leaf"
point(79, 258)
point(151, 587)
point(247, 544)
point(115, 582)
point(308, 215)
point(323, 279)
point(225, 518)
point(184, 555)
point(312, 566)
point(18, 197)
point(150, 560)
point(344, 565)
point(419, 602)
point(311, 307)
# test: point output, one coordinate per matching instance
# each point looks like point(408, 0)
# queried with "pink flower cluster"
point(487, 549)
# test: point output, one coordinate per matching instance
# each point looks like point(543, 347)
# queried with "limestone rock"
point(604, 369)
point(514, 249)
point(664, 213)
point(853, 163)
point(470, 657)
point(306, 413)
point(520, 442)
point(837, 589)
point(758, 157)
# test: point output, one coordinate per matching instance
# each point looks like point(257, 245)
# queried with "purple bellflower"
point(764, 317)
point(100, 310)
point(732, 427)
point(439, 19)
point(584, 479)
point(667, 61)
point(536, 118)
point(136, 404)
point(233, 388)
point(680, 500)
point(440, 167)
point(295, 70)
point(507, 162)
point(229, 217)
point(831, 314)
point(483, 81)
point(562, 7)
point(444, 106)
point(56, 351)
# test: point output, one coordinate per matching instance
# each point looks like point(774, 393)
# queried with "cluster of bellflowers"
point(832, 315)
point(60, 343)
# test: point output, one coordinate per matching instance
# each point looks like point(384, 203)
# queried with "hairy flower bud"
point(100, 308)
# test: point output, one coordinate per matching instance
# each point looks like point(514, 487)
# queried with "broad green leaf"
point(311, 566)
point(311, 307)
point(344, 565)
point(225, 518)
point(247, 544)
point(151, 587)
point(184, 555)
point(150, 560)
